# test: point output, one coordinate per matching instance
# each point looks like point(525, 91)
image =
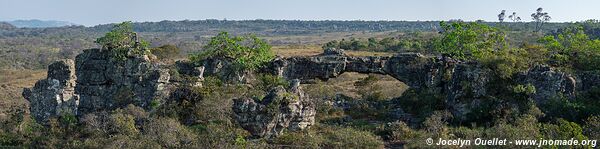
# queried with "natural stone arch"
point(416, 70)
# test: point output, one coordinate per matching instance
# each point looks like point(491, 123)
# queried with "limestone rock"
point(105, 83)
point(54, 96)
point(224, 70)
point(549, 83)
point(281, 109)
point(97, 82)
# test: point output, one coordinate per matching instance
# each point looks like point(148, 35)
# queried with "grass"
point(12, 83)
point(344, 84)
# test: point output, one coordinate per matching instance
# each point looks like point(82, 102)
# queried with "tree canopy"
point(246, 52)
point(469, 40)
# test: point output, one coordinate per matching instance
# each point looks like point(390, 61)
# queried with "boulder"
point(54, 96)
point(281, 109)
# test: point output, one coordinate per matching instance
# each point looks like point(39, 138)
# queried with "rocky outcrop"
point(105, 83)
point(54, 96)
point(224, 70)
point(281, 109)
point(97, 82)
point(412, 68)
point(549, 83)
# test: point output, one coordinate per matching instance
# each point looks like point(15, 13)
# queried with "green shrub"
point(572, 48)
point(122, 41)
point(562, 130)
point(399, 131)
point(266, 82)
point(246, 52)
point(469, 40)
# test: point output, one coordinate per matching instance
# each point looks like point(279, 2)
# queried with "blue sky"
point(92, 12)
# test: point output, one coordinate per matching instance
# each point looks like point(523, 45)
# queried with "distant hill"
point(6, 26)
point(39, 23)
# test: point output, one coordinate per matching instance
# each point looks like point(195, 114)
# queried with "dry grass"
point(12, 83)
point(344, 84)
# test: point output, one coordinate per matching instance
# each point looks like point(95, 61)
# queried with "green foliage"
point(267, 81)
point(122, 41)
point(240, 141)
point(368, 89)
point(572, 48)
point(563, 130)
point(246, 52)
point(410, 42)
point(399, 131)
point(469, 40)
point(155, 103)
point(577, 110)
point(525, 89)
point(68, 119)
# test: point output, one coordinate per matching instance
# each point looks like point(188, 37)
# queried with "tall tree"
point(514, 17)
point(502, 16)
point(540, 17)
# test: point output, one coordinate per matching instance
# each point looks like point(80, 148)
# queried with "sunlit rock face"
point(280, 110)
point(106, 83)
point(96, 82)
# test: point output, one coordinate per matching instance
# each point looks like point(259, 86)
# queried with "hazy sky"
point(88, 12)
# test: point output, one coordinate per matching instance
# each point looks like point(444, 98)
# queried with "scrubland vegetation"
point(377, 111)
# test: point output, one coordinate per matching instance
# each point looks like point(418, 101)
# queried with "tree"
point(469, 40)
point(514, 17)
point(501, 16)
point(571, 47)
point(540, 17)
point(246, 52)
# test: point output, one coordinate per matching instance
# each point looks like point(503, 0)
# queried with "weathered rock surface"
point(96, 82)
point(281, 109)
point(224, 70)
point(106, 84)
point(549, 83)
point(54, 96)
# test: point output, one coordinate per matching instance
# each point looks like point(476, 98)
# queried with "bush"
point(563, 130)
point(122, 41)
point(266, 82)
point(246, 52)
point(572, 48)
point(468, 41)
point(398, 131)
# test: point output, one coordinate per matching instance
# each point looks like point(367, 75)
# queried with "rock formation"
point(96, 82)
point(54, 96)
point(105, 83)
point(281, 109)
